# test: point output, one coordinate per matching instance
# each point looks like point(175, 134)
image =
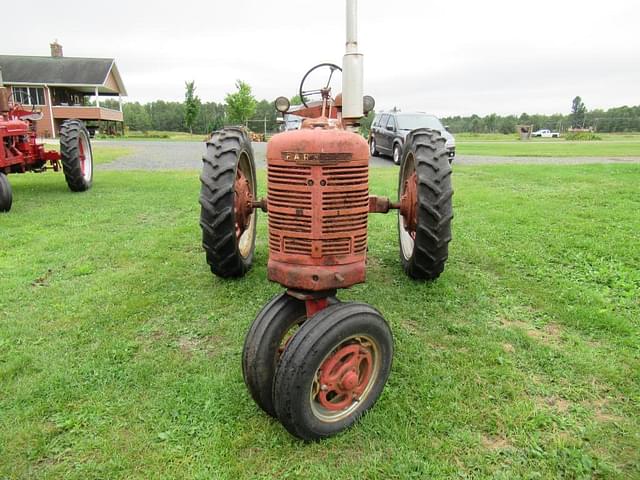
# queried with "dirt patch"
point(189, 345)
point(497, 442)
point(43, 280)
point(601, 411)
point(550, 334)
point(559, 404)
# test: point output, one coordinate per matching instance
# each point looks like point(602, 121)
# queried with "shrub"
point(582, 136)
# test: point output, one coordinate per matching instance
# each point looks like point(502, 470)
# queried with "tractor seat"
point(32, 117)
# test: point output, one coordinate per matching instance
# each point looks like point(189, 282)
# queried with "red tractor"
point(20, 152)
point(311, 361)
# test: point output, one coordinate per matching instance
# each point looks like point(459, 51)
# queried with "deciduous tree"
point(241, 105)
point(191, 105)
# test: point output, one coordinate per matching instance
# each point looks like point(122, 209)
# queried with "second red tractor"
point(20, 152)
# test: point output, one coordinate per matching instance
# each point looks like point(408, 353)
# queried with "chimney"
point(56, 49)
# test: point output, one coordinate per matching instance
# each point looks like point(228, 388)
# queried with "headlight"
point(282, 104)
point(368, 103)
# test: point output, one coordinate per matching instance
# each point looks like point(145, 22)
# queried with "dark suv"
point(389, 130)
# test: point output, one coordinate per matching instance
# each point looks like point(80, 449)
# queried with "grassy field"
point(120, 352)
point(611, 145)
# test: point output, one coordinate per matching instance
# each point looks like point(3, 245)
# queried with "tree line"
point(195, 116)
point(619, 119)
point(241, 107)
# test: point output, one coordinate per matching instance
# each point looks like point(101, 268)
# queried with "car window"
point(418, 120)
point(383, 120)
point(391, 122)
point(376, 121)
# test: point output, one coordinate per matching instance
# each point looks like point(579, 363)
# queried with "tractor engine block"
point(318, 204)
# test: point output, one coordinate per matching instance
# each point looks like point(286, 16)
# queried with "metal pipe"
point(352, 26)
point(352, 68)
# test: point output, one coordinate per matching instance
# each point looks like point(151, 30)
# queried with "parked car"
point(389, 130)
point(545, 133)
point(291, 122)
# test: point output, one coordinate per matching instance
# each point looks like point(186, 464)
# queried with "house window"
point(28, 95)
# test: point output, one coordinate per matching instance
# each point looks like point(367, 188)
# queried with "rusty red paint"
point(380, 204)
point(318, 204)
point(344, 376)
point(243, 205)
point(314, 305)
point(409, 204)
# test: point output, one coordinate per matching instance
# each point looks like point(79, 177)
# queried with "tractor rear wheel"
point(6, 194)
point(426, 211)
point(333, 370)
point(264, 343)
point(76, 155)
point(228, 188)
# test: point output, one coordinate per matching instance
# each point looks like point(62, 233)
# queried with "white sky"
point(447, 57)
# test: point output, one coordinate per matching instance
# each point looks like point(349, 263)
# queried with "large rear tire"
point(6, 194)
point(228, 184)
point(333, 370)
point(425, 194)
point(76, 155)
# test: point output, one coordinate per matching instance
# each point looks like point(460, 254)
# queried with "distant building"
point(60, 87)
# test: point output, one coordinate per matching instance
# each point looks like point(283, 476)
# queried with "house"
point(61, 88)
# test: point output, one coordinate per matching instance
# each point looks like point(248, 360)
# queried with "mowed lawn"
point(120, 352)
point(610, 145)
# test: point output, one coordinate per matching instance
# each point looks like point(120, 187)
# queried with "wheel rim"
point(86, 159)
point(372, 147)
point(396, 155)
point(245, 219)
point(288, 336)
point(345, 378)
point(407, 214)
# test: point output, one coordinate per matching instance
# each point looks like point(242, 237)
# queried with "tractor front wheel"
point(333, 370)
point(264, 343)
point(228, 189)
point(76, 155)
point(425, 194)
point(6, 194)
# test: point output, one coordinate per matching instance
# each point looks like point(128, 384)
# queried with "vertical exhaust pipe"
point(352, 69)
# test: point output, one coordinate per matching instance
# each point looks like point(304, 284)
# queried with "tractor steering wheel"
point(324, 90)
point(19, 103)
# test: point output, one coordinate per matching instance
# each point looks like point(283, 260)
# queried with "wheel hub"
point(409, 204)
point(243, 208)
point(344, 376)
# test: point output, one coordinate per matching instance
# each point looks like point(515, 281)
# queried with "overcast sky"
point(447, 57)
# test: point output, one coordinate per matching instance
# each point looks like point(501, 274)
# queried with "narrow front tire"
point(333, 370)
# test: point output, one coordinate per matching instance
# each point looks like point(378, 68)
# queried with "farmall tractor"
point(311, 361)
point(20, 152)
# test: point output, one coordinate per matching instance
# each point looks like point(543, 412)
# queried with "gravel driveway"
point(163, 155)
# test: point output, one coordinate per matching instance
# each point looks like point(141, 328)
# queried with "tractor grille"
point(344, 175)
point(318, 211)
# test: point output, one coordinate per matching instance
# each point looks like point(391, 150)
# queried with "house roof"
point(84, 74)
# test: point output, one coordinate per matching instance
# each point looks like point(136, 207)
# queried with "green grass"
point(611, 145)
point(104, 154)
point(157, 135)
point(120, 352)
